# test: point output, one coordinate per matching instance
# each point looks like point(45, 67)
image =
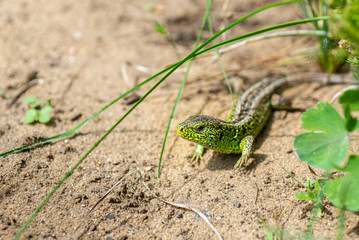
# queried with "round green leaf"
point(325, 119)
point(30, 99)
point(351, 97)
point(323, 150)
point(31, 116)
point(343, 192)
point(45, 114)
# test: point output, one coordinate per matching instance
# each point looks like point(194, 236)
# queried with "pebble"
point(78, 35)
point(236, 204)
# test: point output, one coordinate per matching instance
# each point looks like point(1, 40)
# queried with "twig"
point(184, 206)
point(22, 90)
point(256, 198)
point(154, 195)
point(99, 201)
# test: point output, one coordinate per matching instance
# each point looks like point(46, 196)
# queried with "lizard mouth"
point(180, 130)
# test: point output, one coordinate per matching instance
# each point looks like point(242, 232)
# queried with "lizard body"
point(236, 135)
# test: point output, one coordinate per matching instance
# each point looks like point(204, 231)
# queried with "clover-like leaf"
point(44, 114)
point(31, 116)
point(30, 99)
point(306, 196)
point(352, 165)
point(328, 148)
point(325, 118)
point(302, 196)
point(323, 150)
point(36, 104)
point(343, 192)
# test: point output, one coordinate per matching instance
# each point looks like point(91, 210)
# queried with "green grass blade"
point(195, 53)
point(180, 91)
point(288, 33)
point(309, 10)
point(239, 21)
point(222, 67)
point(263, 30)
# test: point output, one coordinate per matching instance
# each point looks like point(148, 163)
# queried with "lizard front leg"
point(197, 154)
point(246, 145)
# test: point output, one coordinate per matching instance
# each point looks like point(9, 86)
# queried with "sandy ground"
point(87, 53)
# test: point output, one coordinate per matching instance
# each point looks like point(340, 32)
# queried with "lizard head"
point(204, 130)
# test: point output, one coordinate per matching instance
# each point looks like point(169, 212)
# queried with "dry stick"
point(170, 203)
point(99, 201)
point(257, 190)
point(184, 206)
point(22, 90)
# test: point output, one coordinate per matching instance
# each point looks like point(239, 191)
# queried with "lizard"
point(246, 120)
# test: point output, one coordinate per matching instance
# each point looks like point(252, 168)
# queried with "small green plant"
point(39, 111)
point(340, 45)
point(161, 29)
point(314, 193)
point(343, 192)
point(326, 147)
point(313, 188)
point(344, 22)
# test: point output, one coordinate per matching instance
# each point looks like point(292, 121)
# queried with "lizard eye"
point(200, 128)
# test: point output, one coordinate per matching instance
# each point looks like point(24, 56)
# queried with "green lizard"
point(244, 123)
